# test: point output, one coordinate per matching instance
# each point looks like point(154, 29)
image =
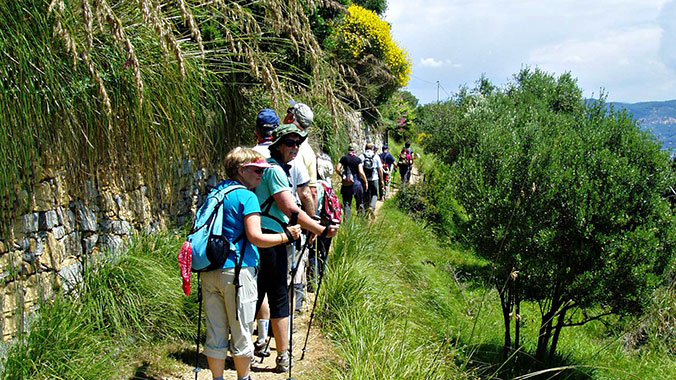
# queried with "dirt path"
point(318, 353)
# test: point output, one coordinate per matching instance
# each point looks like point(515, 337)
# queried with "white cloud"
point(430, 62)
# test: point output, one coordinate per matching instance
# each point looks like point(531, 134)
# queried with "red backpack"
point(330, 208)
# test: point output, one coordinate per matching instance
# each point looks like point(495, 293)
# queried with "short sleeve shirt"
point(236, 205)
point(376, 164)
point(274, 180)
point(351, 161)
point(298, 176)
point(263, 148)
point(387, 158)
point(307, 156)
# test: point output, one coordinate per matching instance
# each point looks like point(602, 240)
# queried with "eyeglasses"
point(292, 142)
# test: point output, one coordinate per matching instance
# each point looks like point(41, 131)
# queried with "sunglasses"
point(258, 170)
point(292, 142)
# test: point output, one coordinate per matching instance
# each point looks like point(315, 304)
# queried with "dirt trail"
point(318, 353)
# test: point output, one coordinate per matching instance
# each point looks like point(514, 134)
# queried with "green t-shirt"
point(274, 180)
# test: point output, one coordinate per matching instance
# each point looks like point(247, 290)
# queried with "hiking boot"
point(283, 361)
point(261, 350)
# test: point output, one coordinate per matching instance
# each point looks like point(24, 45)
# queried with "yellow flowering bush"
point(363, 33)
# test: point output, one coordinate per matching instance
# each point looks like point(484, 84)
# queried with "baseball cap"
point(303, 113)
point(267, 118)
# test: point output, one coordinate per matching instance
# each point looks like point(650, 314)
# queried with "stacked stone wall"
point(47, 248)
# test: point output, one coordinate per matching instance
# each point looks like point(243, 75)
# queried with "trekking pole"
point(294, 270)
point(293, 220)
point(199, 324)
point(319, 286)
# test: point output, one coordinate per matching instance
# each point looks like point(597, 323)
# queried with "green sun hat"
point(287, 129)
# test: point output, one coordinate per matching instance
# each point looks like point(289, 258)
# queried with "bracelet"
point(288, 235)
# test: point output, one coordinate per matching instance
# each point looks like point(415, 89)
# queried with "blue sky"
point(625, 47)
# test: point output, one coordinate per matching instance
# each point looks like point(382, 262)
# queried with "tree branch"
point(588, 319)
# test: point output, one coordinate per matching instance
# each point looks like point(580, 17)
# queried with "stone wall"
point(47, 247)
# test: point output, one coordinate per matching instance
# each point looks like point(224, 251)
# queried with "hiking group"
point(366, 177)
point(257, 238)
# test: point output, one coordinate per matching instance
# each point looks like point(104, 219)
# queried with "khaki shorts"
point(220, 305)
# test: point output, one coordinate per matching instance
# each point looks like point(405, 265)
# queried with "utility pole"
point(438, 85)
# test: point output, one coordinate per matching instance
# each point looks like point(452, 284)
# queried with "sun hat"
point(303, 113)
point(267, 119)
point(258, 163)
point(286, 129)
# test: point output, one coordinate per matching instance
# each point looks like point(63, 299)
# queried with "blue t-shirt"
point(274, 180)
point(387, 158)
point(237, 204)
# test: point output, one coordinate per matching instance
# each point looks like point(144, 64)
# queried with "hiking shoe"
point(261, 350)
point(283, 362)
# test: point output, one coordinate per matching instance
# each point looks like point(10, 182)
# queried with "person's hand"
point(333, 230)
point(295, 231)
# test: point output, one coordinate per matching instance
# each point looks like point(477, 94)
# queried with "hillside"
point(657, 117)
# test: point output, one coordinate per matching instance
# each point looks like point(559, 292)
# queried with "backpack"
point(404, 158)
point(330, 209)
point(348, 178)
point(210, 248)
point(369, 164)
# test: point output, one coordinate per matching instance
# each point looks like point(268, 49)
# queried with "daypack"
point(348, 177)
point(210, 248)
point(369, 164)
point(330, 209)
point(404, 158)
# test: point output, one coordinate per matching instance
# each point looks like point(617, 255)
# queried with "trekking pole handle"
point(293, 220)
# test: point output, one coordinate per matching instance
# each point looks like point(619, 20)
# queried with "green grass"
point(107, 327)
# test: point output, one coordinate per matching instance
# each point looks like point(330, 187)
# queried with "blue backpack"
point(210, 248)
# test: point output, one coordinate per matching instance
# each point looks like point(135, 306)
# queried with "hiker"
point(277, 205)
point(228, 314)
point(301, 115)
point(324, 170)
point(319, 251)
point(354, 181)
point(405, 162)
point(266, 121)
point(389, 166)
point(373, 170)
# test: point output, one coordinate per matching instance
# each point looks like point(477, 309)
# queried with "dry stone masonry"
point(48, 246)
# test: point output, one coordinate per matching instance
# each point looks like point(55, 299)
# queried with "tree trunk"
point(505, 302)
point(557, 332)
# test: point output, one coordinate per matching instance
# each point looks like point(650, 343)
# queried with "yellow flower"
point(363, 33)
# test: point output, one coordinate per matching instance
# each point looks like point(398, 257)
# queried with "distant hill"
point(657, 117)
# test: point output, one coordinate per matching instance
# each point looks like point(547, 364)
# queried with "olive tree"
point(563, 195)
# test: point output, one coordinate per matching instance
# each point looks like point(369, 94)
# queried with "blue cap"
point(267, 118)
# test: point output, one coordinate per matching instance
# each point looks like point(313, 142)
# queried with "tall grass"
point(109, 90)
point(123, 306)
point(371, 311)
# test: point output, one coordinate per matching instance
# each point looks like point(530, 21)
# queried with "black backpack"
point(369, 164)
